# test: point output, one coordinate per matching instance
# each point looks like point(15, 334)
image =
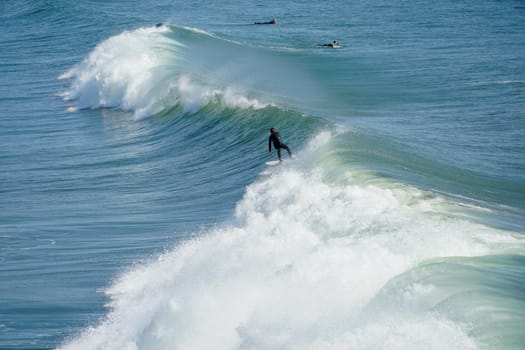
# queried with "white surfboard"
point(273, 162)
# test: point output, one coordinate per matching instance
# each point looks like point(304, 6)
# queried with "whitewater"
point(138, 212)
point(313, 264)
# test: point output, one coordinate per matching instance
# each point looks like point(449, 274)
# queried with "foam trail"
point(298, 270)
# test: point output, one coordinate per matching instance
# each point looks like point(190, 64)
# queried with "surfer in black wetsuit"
point(275, 138)
point(333, 44)
point(273, 21)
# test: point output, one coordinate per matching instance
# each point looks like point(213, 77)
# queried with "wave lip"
point(121, 72)
point(150, 70)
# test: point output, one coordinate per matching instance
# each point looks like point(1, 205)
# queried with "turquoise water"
point(137, 211)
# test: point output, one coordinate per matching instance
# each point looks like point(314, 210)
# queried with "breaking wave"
point(317, 261)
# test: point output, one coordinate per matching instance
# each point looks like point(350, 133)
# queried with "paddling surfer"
point(275, 138)
point(273, 21)
point(333, 44)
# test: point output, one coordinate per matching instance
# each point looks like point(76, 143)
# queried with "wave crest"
point(147, 71)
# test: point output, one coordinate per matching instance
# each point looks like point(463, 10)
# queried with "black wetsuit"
point(275, 138)
point(269, 22)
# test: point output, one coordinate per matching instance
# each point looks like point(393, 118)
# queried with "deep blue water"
point(137, 211)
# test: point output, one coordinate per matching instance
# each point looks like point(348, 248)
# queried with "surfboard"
point(273, 162)
point(327, 46)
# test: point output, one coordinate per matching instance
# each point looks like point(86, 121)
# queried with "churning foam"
point(143, 71)
point(296, 271)
point(120, 72)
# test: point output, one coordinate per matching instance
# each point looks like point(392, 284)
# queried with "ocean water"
point(137, 211)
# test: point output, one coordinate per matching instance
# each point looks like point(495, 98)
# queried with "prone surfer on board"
point(275, 138)
point(273, 21)
point(333, 44)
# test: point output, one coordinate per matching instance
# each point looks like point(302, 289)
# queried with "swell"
point(501, 199)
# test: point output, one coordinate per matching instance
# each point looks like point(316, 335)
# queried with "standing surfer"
point(275, 138)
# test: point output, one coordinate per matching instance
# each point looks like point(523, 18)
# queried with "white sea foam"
point(142, 71)
point(296, 270)
point(119, 72)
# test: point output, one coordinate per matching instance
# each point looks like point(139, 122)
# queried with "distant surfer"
point(334, 44)
point(159, 25)
point(275, 138)
point(273, 21)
